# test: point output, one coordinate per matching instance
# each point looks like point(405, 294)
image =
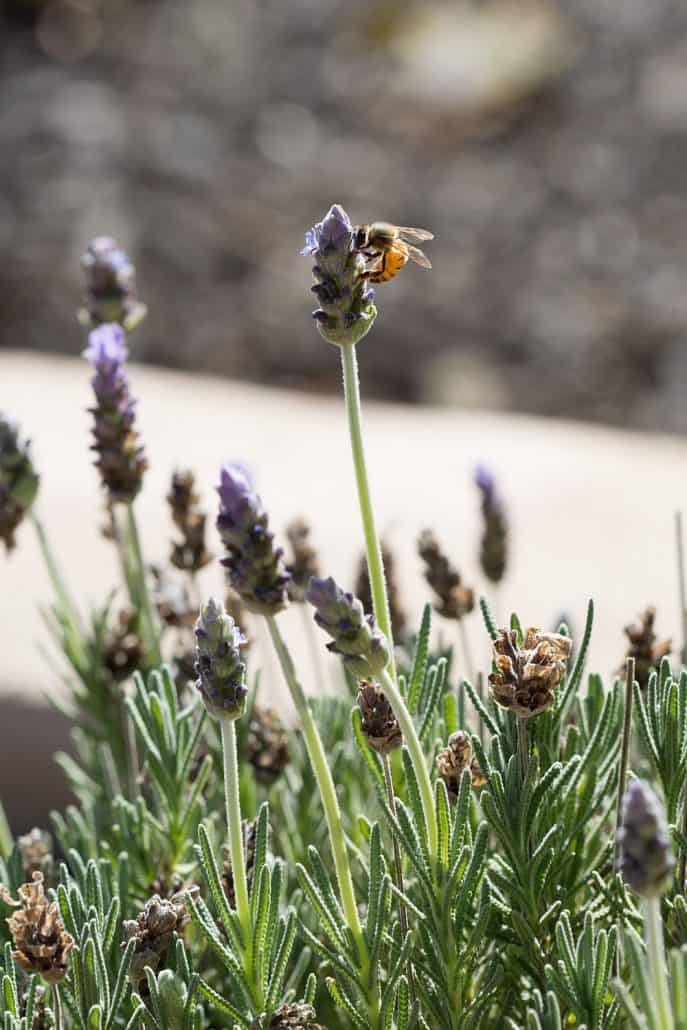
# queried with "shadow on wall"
point(31, 783)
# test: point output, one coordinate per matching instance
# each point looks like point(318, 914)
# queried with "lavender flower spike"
point(354, 634)
point(256, 568)
point(121, 460)
point(646, 858)
point(18, 480)
point(220, 670)
point(110, 286)
point(346, 311)
point(494, 543)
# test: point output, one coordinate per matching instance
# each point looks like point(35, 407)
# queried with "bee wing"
point(416, 255)
point(418, 235)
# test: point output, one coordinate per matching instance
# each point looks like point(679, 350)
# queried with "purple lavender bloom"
point(346, 312)
point(494, 543)
point(354, 634)
point(120, 456)
point(220, 670)
point(256, 568)
point(18, 480)
point(646, 858)
point(110, 286)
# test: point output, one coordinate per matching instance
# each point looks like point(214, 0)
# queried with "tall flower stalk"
point(120, 458)
point(345, 315)
point(258, 574)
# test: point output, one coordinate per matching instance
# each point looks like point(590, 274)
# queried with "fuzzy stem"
point(57, 1007)
point(682, 583)
point(412, 742)
point(325, 785)
point(661, 1018)
point(625, 747)
point(522, 746)
point(402, 913)
point(375, 564)
point(233, 812)
point(153, 640)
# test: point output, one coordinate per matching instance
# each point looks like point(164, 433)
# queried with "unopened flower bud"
point(256, 568)
point(220, 670)
point(494, 544)
point(646, 858)
point(355, 636)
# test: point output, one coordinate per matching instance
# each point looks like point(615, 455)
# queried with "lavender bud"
point(110, 286)
point(121, 460)
point(494, 543)
point(346, 312)
point(355, 636)
point(646, 859)
point(18, 480)
point(221, 672)
point(256, 568)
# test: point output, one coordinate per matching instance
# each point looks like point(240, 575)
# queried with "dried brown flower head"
point(455, 757)
point(305, 561)
point(173, 601)
point(378, 722)
point(363, 591)
point(454, 599)
point(292, 1015)
point(268, 744)
point(189, 553)
point(250, 829)
point(41, 943)
point(123, 651)
point(152, 930)
point(526, 675)
point(36, 852)
point(644, 648)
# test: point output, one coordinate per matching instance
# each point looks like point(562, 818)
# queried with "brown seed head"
point(455, 757)
point(644, 648)
point(268, 744)
point(454, 599)
point(123, 649)
point(305, 561)
point(292, 1015)
point(152, 930)
point(526, 676)
point(189, 553)
point(378, 722)
point(41, 943)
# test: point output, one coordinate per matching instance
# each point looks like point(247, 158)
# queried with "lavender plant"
point(484, 860)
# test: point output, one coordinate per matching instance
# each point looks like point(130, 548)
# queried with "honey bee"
point(389, 248)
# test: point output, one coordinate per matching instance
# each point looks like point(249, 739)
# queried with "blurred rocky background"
point(545, 144)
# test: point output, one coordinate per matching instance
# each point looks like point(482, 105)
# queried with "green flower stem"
point(326, 787)
point(6, 839)
point(522, 746)
point(412, 742)
point(67, 609)
point(233, 811)
point(149, 619)
point(375, 565)
point(661, 1018)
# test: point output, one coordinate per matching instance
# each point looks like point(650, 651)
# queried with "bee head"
point(362, 237)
